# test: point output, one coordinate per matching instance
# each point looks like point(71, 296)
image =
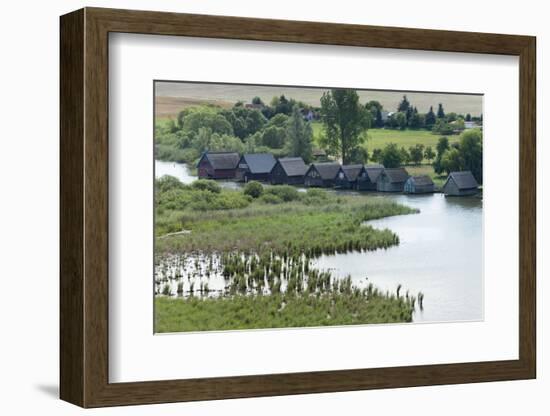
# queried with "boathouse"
point(288, 170)
point(255, 167)
point(322, 174)
point(366, 181)
point(419, 185)
point(347, 175)
point(460, 184)
point(218, 165)
point(392, 180)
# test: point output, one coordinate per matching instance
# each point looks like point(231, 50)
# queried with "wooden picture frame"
point(84, 207)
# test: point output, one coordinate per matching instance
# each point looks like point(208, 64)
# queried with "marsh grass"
point(337, 305)
point(263, 254)
point(335, 226)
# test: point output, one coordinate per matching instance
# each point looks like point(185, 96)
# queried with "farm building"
point(322, 174)
point(366, 181)
point(347, 175)
point(218, 165)
point(419, 185)
point(392, 180)
point(288, 170)
point(319, 155)
point(460, 184)
point(255, 167)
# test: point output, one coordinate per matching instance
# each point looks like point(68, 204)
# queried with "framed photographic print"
point(261, 207)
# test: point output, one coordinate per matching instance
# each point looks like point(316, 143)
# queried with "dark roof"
point(396, 175)
point(463, 180)
point(374, 171)
point(222, 160)
point(352, 171)
point(293, 166)
point(327, 170)
point(259, 162)
point(423, 180)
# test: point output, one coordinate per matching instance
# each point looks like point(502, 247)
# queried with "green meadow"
point(379, 138)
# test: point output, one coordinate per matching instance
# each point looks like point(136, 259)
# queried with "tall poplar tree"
point(440, 112)
point(299, 135)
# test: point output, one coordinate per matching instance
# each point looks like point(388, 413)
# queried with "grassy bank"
point(314, 223)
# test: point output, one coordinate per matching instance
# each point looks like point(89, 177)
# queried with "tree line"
point(283, 128)
point(407, 116)
point(238, 129)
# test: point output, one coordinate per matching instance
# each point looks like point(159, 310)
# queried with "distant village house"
point(319, 155)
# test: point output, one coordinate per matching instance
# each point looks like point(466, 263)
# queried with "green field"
point(379, 138)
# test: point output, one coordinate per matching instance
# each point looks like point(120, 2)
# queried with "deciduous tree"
point(345, 122)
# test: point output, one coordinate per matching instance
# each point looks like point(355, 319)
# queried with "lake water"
point(440, 253)
point(180, 171)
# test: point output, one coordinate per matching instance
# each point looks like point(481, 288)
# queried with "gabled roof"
point(351, 171)
point(423, 180)
point(374, 171)
point(222, 160)
point(259, 162)
point(396, 175)
point(293, 166)
point(327, 170)
point(463, 180)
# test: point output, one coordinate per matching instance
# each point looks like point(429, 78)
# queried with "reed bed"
point(248, 263)
point(341, 304)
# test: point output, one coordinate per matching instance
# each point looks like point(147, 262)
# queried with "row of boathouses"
point(294, 171)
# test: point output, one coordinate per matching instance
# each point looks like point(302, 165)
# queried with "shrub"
point(253, 189)
point(206, 185)
point(167, 183)
point(274, 137)
point(314, 196)
point(391, 156)
point(285, 192)
point(269, 198)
